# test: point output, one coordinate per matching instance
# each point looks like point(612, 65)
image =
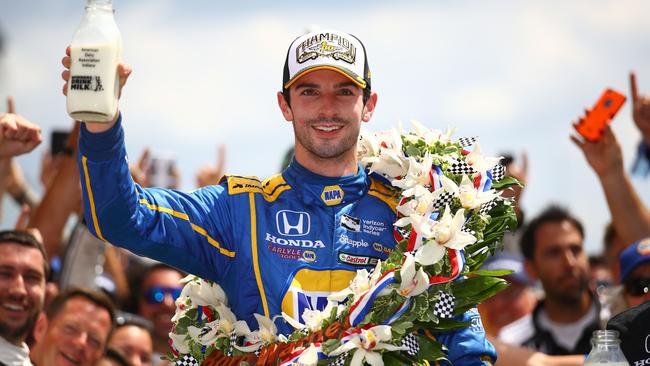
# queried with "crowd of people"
point(69, 298)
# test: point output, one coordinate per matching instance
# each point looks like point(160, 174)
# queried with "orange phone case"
point(592, 125)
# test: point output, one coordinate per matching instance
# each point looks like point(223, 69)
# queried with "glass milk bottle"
point(95, 51)
point(606, 349)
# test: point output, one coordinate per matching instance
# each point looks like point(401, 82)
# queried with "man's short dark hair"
point(28, 240)
point(96, 297)
point(366, 95)
point(551, 214)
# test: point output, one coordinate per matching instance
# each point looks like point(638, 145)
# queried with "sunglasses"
point(637, 286)
point(156, 294)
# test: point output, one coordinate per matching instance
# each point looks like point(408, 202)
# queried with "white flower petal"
point(374, 359)
point(430, 253)
point(358, 357)
point(309, 357)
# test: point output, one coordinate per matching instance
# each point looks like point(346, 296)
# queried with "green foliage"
point(473, 290)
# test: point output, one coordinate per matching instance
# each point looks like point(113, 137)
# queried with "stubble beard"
point(17, 334)
point(330, 149)
point(572, 298)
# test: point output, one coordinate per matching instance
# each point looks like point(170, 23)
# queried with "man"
point(284, 244)
point(159, 288)
point(23, 269)
point(635, 272)
point(632, 324)
point(563, 322)
point(79, 323)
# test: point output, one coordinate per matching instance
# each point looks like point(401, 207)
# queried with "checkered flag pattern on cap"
point(486, 207)
point(444, 199)
point(187, 360)
point(498, 172)
point(410, 342)
point(461, 167)
point(466, 141)
point(444, 307)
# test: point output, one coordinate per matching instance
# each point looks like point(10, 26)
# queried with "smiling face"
point(326, 112)
point(22, 290)
point(161, 312)
point(76, 336)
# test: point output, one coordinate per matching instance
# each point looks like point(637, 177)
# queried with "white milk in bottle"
point(95, 51)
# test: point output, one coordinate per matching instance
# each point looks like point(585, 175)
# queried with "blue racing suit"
point(282, 244)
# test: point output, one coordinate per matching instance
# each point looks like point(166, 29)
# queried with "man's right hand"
point(17, 135)
point(123, 71)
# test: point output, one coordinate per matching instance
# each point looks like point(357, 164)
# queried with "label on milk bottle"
point(92, 90)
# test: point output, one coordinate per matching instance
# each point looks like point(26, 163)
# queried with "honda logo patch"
point(292, 223)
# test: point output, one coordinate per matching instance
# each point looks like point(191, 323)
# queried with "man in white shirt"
point(564, 320)
point(23, 269)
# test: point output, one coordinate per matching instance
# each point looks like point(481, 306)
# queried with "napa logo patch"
point(332, 195)
point(309, 255)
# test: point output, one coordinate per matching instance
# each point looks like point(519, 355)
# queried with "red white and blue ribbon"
point(457, 260)
point(483, 181)
point(361, 307)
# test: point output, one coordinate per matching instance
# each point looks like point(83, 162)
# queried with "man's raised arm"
point(190, 231)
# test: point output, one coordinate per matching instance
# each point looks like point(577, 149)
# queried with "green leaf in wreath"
point(330, 345)
point(506, 182)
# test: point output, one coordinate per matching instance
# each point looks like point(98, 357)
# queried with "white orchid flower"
point(207, 334)
point(470, 197)
point(367, 146)
point(366, 343)
point(429, 135)
point(359, 285)
point(309, 357)
point(389, 163)
point(440, 235)
point(228, 323)
point(417, 173)
point(266, 334)
point(479, 162)
point(413, 283)
point(201, 292)
point(314, 318)
point(268, 331)
point(179, 342)
point(420, 205)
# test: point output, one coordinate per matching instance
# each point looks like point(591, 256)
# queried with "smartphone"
point(592, 125)
point(59, 143)
point(161, 171)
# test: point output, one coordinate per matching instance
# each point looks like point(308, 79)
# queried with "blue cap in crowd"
point(633, 256)
point(511, 261)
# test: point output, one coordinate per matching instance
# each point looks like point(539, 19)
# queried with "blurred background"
point(515, 74)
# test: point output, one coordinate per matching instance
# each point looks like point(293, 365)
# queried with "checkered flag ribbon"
point(410, 342)
point(498, 172)
point(445, 198)
point(339, 361)
point(468, 230)
point(486, 207)
point(233, 342)
point(444, 307)
point(461, 167)
point(466, 141)
point(187, 360)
